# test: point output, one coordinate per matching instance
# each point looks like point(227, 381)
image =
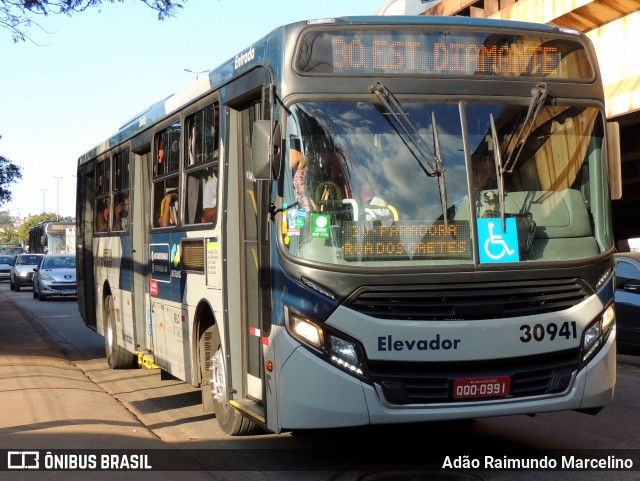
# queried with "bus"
point(355, 271)
point(11, 248)
point(53, 237)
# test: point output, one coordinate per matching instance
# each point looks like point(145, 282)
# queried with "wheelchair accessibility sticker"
point(496, 245)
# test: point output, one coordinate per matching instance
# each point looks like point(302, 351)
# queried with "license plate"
point(476, 387)
point(69, 291)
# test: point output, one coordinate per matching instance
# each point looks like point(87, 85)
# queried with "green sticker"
point(320, 226)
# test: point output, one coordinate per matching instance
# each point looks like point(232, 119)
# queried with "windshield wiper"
point(440, 170)
point(538, 96)
point(498, 166)
point(432, 168)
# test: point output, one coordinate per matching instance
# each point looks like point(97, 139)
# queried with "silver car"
point(22, 271)
point(56, 276)
point(6, 261)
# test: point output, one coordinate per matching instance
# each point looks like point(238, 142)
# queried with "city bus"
point(53, 237)
point(11, 248)
point(350, 268)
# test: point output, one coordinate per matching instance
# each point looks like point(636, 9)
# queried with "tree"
point(9, 173)
point(5, 218)
point(17, 15)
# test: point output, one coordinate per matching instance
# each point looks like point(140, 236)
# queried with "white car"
point(55, 276)
point(22, 271)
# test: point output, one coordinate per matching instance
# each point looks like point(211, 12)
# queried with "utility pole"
point(57, 196)
point(43, 191)
point(197, 73)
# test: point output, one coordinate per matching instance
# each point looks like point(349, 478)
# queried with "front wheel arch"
point(215, 388)
point(117, 356)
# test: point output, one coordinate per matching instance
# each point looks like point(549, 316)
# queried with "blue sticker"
point(495, 244)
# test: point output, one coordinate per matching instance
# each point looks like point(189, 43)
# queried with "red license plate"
point(475, 387)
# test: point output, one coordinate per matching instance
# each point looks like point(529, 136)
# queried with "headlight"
point(597, 333)
point(332, 346)
point(46, 277)
point(306, 330)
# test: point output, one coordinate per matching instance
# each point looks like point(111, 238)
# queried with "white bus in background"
point(54, 237)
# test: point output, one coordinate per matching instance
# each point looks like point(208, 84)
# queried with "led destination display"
point(442, 53)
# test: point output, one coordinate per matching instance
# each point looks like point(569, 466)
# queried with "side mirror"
point(265, 150)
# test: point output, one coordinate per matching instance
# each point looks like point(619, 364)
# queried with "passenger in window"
point(297, 162)
point(121, 214)
point(169, 208)
point(209, 200)
point(102, 217)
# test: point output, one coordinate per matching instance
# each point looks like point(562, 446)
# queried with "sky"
point(82, 77)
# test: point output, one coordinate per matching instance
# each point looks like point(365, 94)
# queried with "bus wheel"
point(117, 356)
point(214, 380)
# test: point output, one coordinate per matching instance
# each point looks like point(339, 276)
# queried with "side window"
point(101, 217)
point(166, 165)
point(120, 191)
point(201, 164)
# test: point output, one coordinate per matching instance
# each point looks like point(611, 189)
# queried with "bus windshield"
point(365, 189)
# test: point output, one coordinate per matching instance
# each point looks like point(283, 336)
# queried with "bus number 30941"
point(551, 331)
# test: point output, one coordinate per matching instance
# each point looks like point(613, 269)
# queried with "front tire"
point(214, 384)
point(117, 356)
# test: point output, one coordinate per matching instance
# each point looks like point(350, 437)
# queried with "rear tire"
point(214, 384)
point(117, 356)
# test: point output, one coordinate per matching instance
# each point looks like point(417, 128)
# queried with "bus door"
point(138, 263)
point(245, 241)
point(84, 246)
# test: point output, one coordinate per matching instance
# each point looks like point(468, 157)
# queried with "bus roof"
point(230, 69)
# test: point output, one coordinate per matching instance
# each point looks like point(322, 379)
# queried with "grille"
point(470, 301)
point(62, 285)
point(422, 383)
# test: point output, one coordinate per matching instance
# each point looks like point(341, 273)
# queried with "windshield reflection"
point(356, 191)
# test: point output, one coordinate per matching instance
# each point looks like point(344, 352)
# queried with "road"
point(172, 411)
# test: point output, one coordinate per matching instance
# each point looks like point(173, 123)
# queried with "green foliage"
point(5, 219)
point(23, 231)
point(8, 233)
point(17, 15)
point(9, 173)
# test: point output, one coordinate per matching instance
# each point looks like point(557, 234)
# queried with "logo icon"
point(23, 460)
point(497, 245)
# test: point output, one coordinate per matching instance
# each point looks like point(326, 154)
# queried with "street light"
point(197, 73)
point(43, 191)
point(57, 196)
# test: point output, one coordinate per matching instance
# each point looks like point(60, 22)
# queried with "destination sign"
point(443, 53)
point(406, 240)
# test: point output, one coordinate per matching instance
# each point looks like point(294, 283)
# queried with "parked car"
point(22, 271)
point(6, 261)
point(627, 299)
point(55, 276)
